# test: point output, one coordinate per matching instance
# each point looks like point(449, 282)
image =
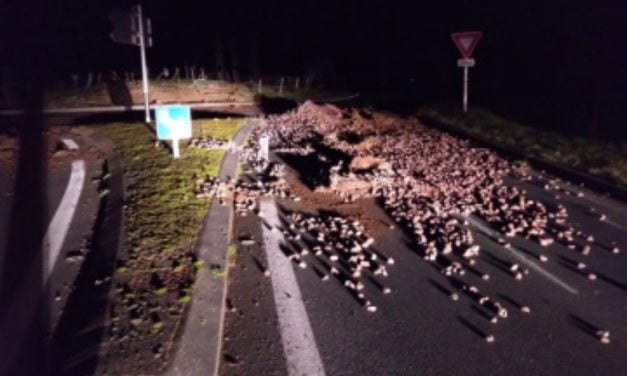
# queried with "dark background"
point(555, 64)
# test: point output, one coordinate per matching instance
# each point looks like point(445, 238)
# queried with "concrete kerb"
point(199, 348)
point(108, 244)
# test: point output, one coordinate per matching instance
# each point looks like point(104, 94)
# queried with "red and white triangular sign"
point(466, 41)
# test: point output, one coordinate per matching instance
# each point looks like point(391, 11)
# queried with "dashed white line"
point(518, 255)
point(299, 344)
point(610, 222)
point(69, 143)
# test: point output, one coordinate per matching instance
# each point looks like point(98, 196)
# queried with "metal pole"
point(142, 47)
point(465, 89)
point(175, 147)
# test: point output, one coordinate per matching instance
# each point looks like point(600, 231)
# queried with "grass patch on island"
point(221, 129)
point(231, 255)
point(163, 211)
point(163, 217)
point(602, 159)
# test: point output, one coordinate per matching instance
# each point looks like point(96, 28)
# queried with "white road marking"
point(21, 313)
point(299, 344)
point(518, 255)
point(69, 143)
point(610, 222)
point(60, 223)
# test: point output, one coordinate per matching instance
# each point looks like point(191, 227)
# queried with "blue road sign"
point(173, 122)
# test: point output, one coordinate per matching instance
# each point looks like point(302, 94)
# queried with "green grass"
point(163, 214)
point(231, 255)
point(223, 129)
point(605, 160)
point(217, 271)
point(163, 217)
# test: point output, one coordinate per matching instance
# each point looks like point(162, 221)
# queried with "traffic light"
point(126, 27)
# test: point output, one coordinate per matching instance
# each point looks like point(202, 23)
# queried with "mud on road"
point(491, 255)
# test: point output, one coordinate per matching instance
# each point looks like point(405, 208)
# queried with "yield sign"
point(466, 41)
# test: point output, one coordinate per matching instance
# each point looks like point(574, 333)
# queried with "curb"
point(599, 185)
point(199, 348)
point(87, 305)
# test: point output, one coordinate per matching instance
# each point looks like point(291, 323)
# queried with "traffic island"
point(155, 273)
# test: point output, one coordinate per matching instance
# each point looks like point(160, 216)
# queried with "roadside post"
point(466, 41)
point(174, 123)
point(264, 147)
point(134, 29)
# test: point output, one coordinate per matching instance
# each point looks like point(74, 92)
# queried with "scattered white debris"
point(603, 336)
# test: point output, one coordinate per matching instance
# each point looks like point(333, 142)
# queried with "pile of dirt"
point(421, 176)
point(368, 163)
point(327, 116)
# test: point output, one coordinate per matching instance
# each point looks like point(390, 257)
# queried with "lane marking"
point(519, 256)
point(21, 313)
point(299, 344)
point(69, 143)
point(60, 223)
point(610, 222)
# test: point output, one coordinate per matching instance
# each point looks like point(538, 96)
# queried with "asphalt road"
point(29, 290)
point(419, 330)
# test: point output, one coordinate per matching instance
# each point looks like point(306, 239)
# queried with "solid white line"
point(299, 344)
point(517, 254)
point(60, 223)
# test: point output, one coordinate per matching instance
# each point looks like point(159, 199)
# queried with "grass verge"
point(223, 129)
point(161, 91)
point(231, 255)
point(605, 160)
point(153, 285)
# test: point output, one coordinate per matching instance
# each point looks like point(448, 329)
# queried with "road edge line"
point(297, 337)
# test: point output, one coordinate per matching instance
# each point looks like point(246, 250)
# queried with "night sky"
point(534, 56)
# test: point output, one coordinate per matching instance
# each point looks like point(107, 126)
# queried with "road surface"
point(37, 286)
point(418, 328)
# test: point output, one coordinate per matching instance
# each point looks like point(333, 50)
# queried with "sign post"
point(466, 41)
point(142, 49)
point(134, 29)
point(174, 123)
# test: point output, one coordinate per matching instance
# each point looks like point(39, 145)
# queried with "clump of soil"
point(369, 163)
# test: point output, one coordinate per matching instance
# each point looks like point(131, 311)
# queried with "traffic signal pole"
point(142, 48)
